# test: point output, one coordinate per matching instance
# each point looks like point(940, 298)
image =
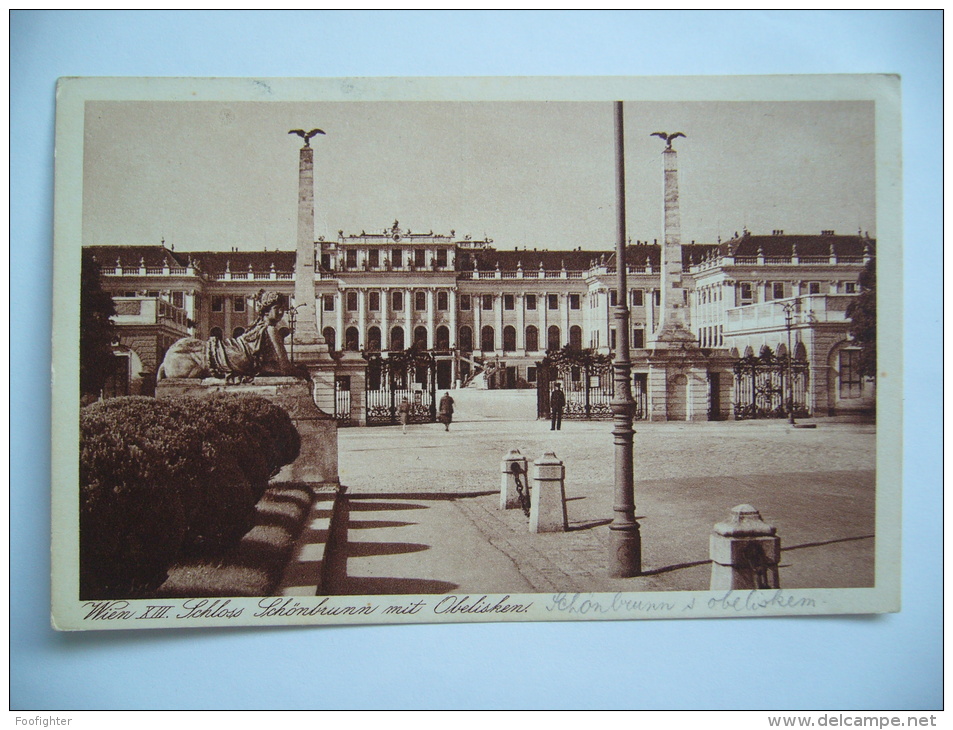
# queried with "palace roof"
point(216, 262)
point(131, 257)
point(781, 245)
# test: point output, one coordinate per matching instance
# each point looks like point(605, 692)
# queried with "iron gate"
point(770, 386)
point(411, 374)
point(342, 400)
point(587, 382)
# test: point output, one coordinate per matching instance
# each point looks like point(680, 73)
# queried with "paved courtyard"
point(424, 516)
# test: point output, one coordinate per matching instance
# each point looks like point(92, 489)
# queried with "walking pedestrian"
point(446, 410)
point(557, 401)
point(403, 410)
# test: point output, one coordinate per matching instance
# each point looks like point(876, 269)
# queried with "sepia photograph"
point(401, 351)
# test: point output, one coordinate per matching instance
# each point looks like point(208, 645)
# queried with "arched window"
point(575, 337)
point(216, 332)
point(374, 339)
point(800, 352)
point(328, 333)
point(420, 338)
point(238, 332)
point(466, 339)
point(443, 338)
point(351, 342)
point(509, 338)
point(552, 341)
point(397, 338)
point(486, 339)
point(532, 338)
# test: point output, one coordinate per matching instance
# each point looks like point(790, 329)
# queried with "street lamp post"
point(789, 309)
point(292, 317)
point(625, 540)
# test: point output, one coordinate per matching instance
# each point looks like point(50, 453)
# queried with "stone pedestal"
point(678, 385)
point(318, 460)
point(354, 367)
point(513, 465)
point(745, 552)
point(547, 512)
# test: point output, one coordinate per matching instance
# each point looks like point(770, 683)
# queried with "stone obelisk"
point(672, 325)
point(306, 327)
point(310, 349)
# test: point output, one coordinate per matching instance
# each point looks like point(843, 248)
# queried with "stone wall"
point(318, 461)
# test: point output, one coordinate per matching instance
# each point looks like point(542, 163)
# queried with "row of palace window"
point(374, 259)
point(531, 301)
point(483, 301)
point(218, 304)
point(772, 290)
point(177, 298)
point(636, 298)
point(396, 301)
point(487, 343)
point(776, 290)
point(710, 336)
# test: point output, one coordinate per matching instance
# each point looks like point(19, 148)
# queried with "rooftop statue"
point(306, 136)
point(667, 137)
point(260, 351)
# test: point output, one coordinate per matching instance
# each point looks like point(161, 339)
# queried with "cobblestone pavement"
point(815, 485)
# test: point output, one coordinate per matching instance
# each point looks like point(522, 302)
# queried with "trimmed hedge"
point(160, 478)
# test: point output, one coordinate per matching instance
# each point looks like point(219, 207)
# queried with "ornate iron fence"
point(410, 374)
point(587, 382)
point(342, 400)
point(770, 386)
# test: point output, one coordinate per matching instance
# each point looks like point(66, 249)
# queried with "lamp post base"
point(625, 551)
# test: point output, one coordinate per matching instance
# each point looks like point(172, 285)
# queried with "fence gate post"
point(512, 467)
point(745, 552)
point(548, 495)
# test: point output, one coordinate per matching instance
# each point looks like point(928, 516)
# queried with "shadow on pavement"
point(588, 525)
point(356, 499)
point(394, 586)
point(670, 568)
point(825, 542)
point(370, 524)
point(367, 549)
point(680, 566)
point(357, 504)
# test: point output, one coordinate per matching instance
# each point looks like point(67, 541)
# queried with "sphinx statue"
point(259, 351)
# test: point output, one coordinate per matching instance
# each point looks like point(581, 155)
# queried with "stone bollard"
point(547, 512)
point(745, 552)
point(513, 463)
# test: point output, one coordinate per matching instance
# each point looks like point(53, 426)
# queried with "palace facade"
point(472, 305)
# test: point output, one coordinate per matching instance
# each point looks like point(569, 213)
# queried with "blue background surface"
point(890, 662)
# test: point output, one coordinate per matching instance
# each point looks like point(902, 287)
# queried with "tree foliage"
point(569, 355)
point(97, 331)
point(862, 313)
point(164, 478)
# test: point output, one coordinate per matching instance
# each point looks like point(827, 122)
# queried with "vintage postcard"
point(476, 349)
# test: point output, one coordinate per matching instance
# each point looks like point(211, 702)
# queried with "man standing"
point(557, 401)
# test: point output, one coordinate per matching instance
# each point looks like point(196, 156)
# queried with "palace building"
point(764, 316)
